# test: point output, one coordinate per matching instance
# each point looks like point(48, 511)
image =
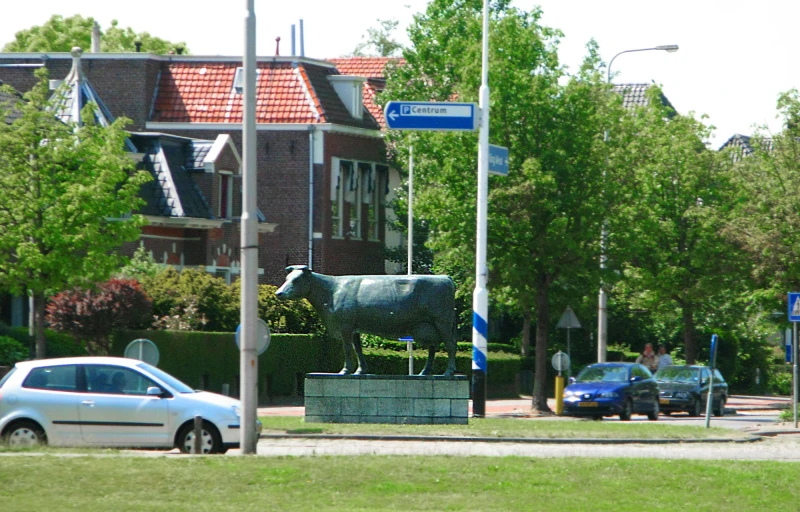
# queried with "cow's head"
point(297, 284)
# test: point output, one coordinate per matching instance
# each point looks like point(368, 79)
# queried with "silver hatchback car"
point(112, 402)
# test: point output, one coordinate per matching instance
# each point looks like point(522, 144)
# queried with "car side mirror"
point(636, 378)
point(155, 391)
point(704, 382)
point(572, 380)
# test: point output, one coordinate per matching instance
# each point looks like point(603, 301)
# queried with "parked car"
point(608, 389)
point(685, 388)
point(110, 401)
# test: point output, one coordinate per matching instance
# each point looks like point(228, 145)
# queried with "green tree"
point(766, 219)
point(669, 235)
point(545, 216)
point(379, 40)
point(68, 194)
point(59, 34)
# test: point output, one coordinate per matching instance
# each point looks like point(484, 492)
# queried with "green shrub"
point(11, 351)
point(57, 344)
point(372, 341)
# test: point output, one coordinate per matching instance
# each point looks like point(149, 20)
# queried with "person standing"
point(648, 358)
point(664, 359)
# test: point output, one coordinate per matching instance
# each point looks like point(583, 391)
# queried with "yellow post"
point(559, 395)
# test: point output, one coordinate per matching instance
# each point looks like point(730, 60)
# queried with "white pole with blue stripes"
point(480, 297)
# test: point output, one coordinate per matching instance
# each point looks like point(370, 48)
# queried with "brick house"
point(322, 172)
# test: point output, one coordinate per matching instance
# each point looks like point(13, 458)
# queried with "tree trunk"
point(38, 324)
point(689, 342)
point(542, 325)
point(526, 333)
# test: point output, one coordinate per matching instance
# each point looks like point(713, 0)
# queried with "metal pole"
point(410, 207)
point(480, 297)
point(197, 445)
point(710, 396)
point(569, 355)
point(794, 372)
point(602, 299)
point(249, 242)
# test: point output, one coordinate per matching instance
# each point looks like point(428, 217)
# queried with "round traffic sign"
point(262, 336)
point(560, 361)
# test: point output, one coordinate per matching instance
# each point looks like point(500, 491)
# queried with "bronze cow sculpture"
point(419, 306)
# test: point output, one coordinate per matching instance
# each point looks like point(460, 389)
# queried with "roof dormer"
point(349, 88)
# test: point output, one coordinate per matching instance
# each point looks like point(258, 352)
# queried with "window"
point(339, 184)
point(52, 378)
point(116, 380)
point(718, 376)
point(376, 201)
point(238, 79)
point(225, 195)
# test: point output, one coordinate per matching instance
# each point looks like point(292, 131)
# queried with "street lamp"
point(602, 318)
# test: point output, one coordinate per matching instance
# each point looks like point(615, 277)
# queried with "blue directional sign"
point(415, 115)
point(498, 160)
point(794, 306)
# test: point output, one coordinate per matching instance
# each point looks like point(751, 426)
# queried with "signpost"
point(712, 362)
point(568, 321)
point(560, 363)
point(794, 317)
point(431, 115)
point(410, 345)
point(498, 160)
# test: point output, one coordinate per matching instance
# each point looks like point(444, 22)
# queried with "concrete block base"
point(397, 399)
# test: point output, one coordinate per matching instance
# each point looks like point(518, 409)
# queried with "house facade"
point(322, 171)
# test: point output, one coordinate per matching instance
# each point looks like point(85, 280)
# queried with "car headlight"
point(568, 393)
point(608, 394)
point(237, 411)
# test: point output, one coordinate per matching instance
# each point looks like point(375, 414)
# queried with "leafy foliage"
point(95, 315)
point(68, 191)
point(59, 34)
point(380, 40)
point(11, 351)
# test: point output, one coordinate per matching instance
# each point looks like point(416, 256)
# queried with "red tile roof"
point(202, 92)
point(373, 69)
point(369, 67)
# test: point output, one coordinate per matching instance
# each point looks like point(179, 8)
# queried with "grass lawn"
point(506, 427)
point(122, 483)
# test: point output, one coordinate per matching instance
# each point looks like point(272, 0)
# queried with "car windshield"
point(603, 374)
point(671, 374)
point(168, 379)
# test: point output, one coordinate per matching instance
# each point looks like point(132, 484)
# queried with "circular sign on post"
point(560, 361)
point(143, 350)
point(262, 336)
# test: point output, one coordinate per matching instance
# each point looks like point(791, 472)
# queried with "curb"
point(523, 440)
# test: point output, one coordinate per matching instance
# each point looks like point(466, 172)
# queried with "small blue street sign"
point(498, 160)
point(416, 115)
point(794, 306)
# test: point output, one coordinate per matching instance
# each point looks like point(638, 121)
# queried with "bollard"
point(197, 448)
point(559, 395)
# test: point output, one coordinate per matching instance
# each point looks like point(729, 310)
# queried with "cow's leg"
point(347, 344)
point(431, 357)
point(450, 346)
point(362, 363)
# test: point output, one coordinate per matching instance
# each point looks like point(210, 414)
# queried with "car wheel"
point(721, 410)
point(211, 440)
point(25, 433)
point(597, 418)
point(653, 415)
point(694, 409)
point(627, 410)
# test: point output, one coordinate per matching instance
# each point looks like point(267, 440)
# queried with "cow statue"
point(419, 306)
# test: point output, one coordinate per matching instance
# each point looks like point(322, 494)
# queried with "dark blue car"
point(610, 389)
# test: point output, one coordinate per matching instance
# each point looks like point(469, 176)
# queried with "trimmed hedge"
point(207, 360)
point(57, 344)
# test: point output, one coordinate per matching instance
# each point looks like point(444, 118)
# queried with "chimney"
point(293, 47)
point(179, 49)
point(96, 38)
point(277, 46)
point(302, 47)
point(349, 89)
point(138, 44)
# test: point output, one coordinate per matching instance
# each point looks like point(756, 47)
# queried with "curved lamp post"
point(602, 318)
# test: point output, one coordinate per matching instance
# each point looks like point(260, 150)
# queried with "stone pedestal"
point(412, 399)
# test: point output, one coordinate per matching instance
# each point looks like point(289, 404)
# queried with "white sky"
point(735, 57)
